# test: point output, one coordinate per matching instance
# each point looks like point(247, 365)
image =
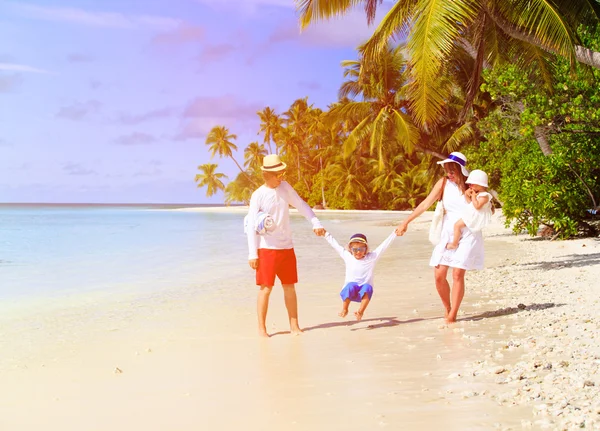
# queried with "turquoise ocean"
point(53, 252)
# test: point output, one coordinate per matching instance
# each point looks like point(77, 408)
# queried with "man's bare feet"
point(343, 313)
point(359, 315)
point(263, 334)
point(452, 246)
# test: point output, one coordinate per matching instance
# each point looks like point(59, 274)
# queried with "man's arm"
point(303, 208)
point(251, 232)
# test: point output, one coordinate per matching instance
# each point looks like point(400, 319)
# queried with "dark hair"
point(458, 175)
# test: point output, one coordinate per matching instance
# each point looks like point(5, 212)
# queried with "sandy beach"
point(525, 352)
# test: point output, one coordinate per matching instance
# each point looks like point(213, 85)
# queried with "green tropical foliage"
point(210, 179)
point(500, 81)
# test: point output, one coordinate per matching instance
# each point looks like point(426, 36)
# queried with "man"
point(272, 254)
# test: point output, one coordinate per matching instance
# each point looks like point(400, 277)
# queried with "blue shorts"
point(355, 292)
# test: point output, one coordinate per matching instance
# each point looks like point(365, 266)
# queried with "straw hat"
point(478, 177)
point(459, 158)
point(272, 163)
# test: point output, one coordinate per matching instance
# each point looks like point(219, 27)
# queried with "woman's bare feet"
point(452, 245)
point(359, 315)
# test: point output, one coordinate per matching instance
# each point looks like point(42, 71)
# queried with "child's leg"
point(457, 234)
point(366, 292)
point(349, 293)
point(345, 305)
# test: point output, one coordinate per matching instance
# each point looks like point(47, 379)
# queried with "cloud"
point(12, 67)
point(309, 85)
point(95, 84)
point(152, 171)
point(77, 169)
point(203, 113)
point(79, 111)
point(10, 82)
point(348, 31)
point(96, 19)
point(156, 114)
point(246, 5)
point(137, 138)
point(79, 58)
point(184, 33)
point(215, 53)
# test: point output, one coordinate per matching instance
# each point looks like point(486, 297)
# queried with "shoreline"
point(524, 352)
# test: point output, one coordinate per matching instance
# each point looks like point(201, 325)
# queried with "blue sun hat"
point(358, 237)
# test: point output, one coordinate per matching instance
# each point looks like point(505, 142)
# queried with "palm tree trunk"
point(243, 171)
point(541, 136)
point(582, 54)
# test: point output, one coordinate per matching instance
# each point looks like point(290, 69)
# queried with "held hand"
point(401, 229)
point(253, 263)
point(319, 231)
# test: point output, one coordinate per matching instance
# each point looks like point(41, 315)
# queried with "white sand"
point(172, 364)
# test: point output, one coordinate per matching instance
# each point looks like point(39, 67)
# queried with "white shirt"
point(276, 202)
point(360, 270)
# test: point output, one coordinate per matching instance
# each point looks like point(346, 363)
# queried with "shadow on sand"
point(510, 310)
point(387, 322)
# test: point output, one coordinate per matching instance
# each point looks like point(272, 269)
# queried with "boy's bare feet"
point(343, 313)
point(452, 246)
point(359, 315)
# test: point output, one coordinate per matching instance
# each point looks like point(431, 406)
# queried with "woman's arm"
point(433, 196)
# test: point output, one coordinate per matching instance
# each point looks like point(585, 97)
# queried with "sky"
point(111, 101)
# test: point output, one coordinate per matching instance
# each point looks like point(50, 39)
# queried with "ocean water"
point(59, 251)
point(52, 255)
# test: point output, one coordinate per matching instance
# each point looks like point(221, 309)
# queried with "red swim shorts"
point(280, 263)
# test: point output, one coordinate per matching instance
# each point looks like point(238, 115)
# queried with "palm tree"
point(210, 179)
point(381, 116)
point(269, 125)
point(349, 182)
point(490, 31)
point(253, 155)
point(220, 142)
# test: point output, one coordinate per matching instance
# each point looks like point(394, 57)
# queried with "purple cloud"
point(137, 138)
point(309, 85)
point(184, 33)
point(156, 114)
point(79, 111)
point(215, 53)
point(79, 58)
point(10, 82)
point(77, 169)
point(203, 113)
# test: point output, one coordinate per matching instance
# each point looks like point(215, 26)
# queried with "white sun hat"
point(478, 177)
point(272, 163)
point(459, 158)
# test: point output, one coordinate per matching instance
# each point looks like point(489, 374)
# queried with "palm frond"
point(315, 10)
point(407, 134)
point(437, 26)
point(360, 133)
point(541, 20)
point(465, 134)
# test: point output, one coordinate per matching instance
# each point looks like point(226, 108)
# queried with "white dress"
point(477, 219)
point(469, 253)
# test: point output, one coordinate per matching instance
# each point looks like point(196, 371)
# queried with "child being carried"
point(479, 211)
point(360, 265)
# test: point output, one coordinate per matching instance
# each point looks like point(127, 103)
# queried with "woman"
point(469, 253)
